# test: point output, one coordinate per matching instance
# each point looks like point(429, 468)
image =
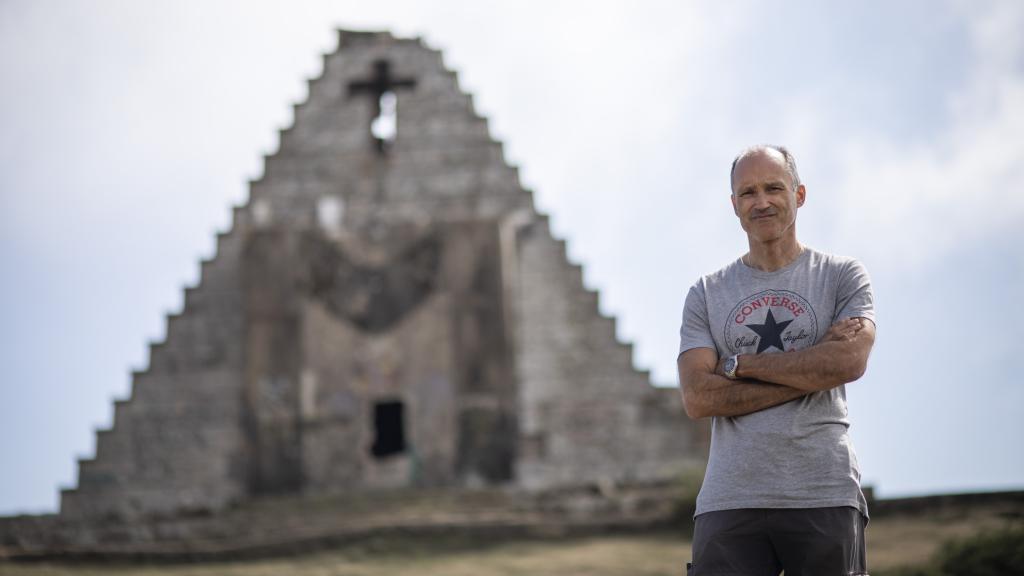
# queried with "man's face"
point(763, 196)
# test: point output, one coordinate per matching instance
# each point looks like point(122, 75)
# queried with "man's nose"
point(761, 201)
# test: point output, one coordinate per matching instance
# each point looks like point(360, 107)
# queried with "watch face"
point(730, 366)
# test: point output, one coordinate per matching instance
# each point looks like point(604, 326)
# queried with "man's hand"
point(844, 330)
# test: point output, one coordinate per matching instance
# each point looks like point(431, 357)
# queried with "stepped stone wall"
point(374, 287)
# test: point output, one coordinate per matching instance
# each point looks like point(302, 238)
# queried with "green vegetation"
point(686, 500)
point(991, 553)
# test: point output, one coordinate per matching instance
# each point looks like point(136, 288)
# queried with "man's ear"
point(801, 195)
point(732, 198)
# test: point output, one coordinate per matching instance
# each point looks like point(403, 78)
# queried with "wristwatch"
point(730, 366)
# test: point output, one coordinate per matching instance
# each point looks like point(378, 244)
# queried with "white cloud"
point(910, 205)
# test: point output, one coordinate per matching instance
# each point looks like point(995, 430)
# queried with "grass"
point(894, 544)
point(641, 555)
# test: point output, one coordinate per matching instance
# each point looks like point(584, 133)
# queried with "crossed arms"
point(766, 380)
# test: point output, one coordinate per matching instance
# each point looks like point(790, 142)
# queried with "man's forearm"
point(840, 357)
point(820, 367)
point(714, 395)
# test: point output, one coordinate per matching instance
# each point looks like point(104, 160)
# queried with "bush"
point(988, 554)
point(688, 487)
point(998, 553)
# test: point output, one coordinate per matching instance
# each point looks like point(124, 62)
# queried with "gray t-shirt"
point(797, 454)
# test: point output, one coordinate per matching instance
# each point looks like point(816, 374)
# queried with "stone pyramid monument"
point(388, 310)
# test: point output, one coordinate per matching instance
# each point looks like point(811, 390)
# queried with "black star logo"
point(770, 332)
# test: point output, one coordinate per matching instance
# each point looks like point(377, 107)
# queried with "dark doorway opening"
point(389, 429)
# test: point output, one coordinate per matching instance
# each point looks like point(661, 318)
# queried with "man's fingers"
point(844, 329)
point(847, 325)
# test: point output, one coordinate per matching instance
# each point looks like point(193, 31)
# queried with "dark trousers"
point(765, 541)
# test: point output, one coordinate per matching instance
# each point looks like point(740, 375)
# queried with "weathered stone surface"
point(383, 314)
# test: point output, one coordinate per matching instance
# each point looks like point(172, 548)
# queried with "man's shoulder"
point(723, 274)
point(712, 283)
point(833, 262)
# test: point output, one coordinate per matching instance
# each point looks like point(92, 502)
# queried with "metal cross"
point(377, 86)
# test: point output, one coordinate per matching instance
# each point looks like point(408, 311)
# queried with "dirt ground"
point(892, 542)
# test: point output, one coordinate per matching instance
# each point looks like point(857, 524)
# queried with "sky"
point(128, 130)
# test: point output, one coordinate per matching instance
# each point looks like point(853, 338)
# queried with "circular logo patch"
point(771, 321)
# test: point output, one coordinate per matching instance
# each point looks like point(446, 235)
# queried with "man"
point(766, 346)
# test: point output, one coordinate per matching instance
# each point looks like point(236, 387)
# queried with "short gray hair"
point(786, 155)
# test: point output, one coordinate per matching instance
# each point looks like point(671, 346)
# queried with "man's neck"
point(772, 256)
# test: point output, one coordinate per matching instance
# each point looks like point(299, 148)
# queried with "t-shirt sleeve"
point(695, 331)
point(854, 296)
